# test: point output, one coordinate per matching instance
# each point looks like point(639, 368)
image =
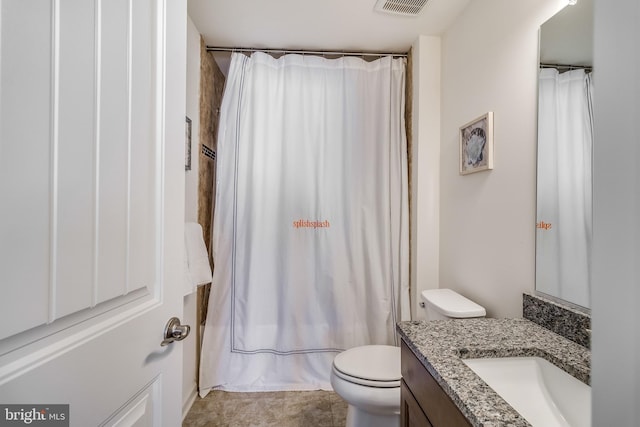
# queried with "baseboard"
point(188, 403)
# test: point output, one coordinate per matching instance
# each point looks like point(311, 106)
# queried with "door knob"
point(174, 331)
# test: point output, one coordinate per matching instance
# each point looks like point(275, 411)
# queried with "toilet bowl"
point(368, 377)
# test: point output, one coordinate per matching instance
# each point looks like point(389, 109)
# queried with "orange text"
point(543, 225)
point(304, 223)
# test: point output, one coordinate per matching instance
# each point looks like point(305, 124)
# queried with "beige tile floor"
point(268, 409)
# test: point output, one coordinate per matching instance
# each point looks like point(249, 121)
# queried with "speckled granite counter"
point(440, 345)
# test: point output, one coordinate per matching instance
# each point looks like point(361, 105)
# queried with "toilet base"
point(359, 418)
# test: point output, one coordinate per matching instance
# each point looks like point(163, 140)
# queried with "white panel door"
point(92, 96)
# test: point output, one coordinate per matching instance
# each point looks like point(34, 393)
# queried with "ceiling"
point(335, 25)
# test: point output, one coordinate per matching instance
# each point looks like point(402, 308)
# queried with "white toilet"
point(368, 377)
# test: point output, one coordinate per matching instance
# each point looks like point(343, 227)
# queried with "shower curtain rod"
point(303, 52)
point(567, 66)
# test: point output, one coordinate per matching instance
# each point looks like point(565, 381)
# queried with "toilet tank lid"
point(452, 304)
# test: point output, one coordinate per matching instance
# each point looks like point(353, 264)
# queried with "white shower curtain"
point(310, 233)
point(564, 229)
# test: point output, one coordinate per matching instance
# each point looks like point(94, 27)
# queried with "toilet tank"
point(448, 304)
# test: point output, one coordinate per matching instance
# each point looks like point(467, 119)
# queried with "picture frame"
point(476, 145)
point(187, 144)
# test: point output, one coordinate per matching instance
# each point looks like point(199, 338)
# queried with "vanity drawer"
point(434, 402)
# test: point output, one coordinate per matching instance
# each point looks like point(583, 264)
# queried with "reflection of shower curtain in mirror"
point(565, 140)
point(311, 224)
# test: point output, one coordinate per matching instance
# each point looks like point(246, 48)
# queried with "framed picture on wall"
point(476, 145)
point(187, 144)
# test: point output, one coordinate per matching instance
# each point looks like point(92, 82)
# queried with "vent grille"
point(400, 7)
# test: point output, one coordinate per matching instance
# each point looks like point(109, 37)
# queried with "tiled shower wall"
point(408, 123)
point(211, 89)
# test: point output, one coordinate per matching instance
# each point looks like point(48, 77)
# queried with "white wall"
point(189, 386)
point(487, 219)
point(616, 232)
point(425, 189)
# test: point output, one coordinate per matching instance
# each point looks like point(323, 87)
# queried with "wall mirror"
point(565, 141)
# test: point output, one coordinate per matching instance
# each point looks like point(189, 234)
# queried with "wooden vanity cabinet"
point(423, 402)
point(411, 412)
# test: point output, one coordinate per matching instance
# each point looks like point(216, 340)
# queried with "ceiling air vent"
point(400, 7)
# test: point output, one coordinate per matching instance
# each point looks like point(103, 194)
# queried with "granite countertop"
point(442, 344)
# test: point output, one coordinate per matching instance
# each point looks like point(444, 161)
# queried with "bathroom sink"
point(545, 395)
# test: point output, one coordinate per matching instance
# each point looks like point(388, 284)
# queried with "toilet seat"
point(371, 366)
